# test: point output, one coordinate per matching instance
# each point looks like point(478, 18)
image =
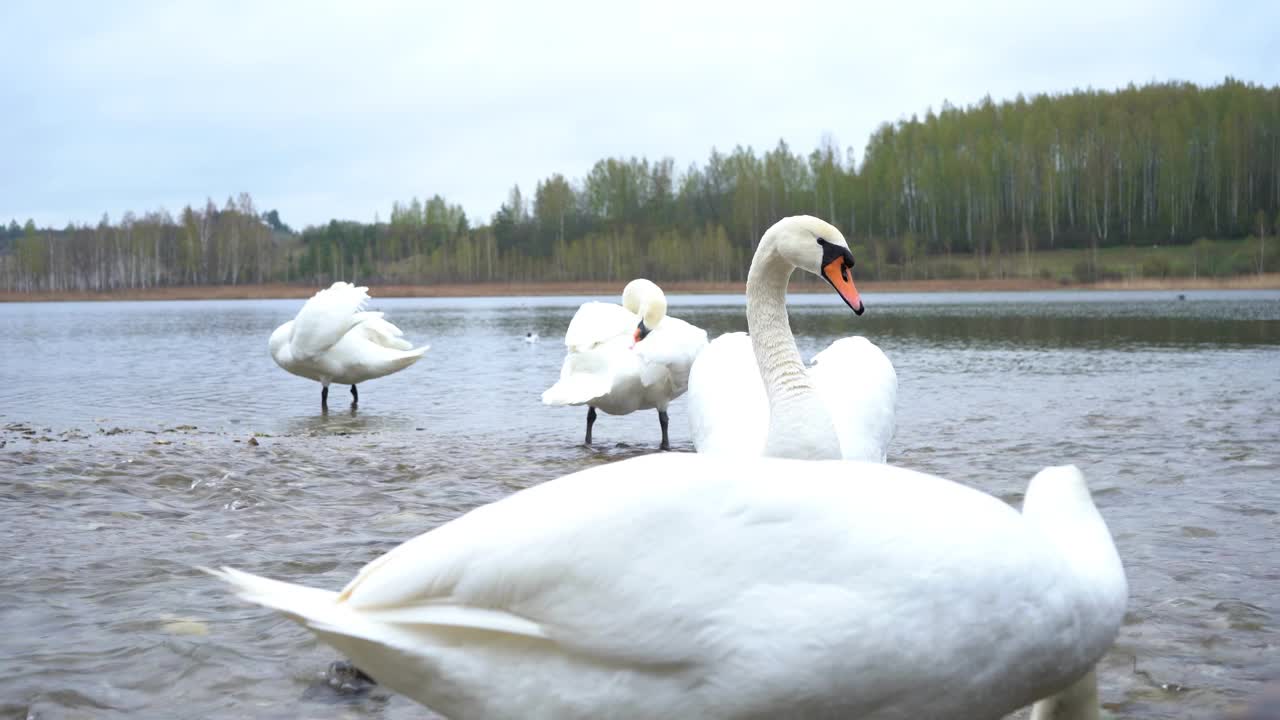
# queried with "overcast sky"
point(325, 110)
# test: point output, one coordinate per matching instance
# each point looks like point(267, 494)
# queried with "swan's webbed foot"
point(591, 420)
point(347, 678)
point(662, 420)
point(355, 396)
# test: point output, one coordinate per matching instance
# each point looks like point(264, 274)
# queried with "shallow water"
point(126, 459)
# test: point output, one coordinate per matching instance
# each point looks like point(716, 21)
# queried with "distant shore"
point(1270, 281)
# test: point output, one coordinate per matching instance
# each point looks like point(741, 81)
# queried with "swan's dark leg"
point(591, 420)
point(662, 420)
point(355, 396)
point(324, 398)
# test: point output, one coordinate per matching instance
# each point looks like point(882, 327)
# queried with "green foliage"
point(1088, 184)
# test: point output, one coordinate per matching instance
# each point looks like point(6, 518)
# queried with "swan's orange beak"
point(836, 272)
point(642, 332)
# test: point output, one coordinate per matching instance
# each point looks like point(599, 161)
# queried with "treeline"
point(1165, 163)
point(210, 246)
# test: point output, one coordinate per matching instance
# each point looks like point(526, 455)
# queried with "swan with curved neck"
point(334, 340)
point(753, 394)
point(629, 357)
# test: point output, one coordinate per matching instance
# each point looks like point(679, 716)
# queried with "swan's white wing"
point(834, 588)
point(360, 355)
point(859, 388)
point(584, 376)
point(326, 317)
point(597, 323)
point(380, 330)
point(728, 408)
point(667, 354)
point(553, 554)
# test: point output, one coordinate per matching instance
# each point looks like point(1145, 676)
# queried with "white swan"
point(333, 340)
point(683, 585)
point(728, 404)
point(629, 357)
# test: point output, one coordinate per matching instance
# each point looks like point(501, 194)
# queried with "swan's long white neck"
point(799, 426)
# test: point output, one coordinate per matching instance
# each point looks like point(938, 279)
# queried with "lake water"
point(126, 459)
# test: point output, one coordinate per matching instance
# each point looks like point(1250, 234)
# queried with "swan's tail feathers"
point(303, 604)
point(405, 358)
point(324, 612)
point(577, 389)
point(1059, 504)
point(584, 377)
point(1057, 490)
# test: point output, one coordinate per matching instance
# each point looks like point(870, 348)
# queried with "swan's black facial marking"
point(642, 331)
point(831, 251)
point(836, 262)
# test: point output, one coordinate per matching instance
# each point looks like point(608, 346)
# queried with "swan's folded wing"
point(600, 561)
point(728, 408)
point(381, 331)
point(326, 317)
point(556, 555)
point(859, 388)
point(597, 323)
point(668, 353)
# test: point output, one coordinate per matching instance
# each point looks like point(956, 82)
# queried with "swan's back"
point(598, 323)
point(859, 388)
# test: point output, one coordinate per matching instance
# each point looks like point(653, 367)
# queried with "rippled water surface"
point(128, 455)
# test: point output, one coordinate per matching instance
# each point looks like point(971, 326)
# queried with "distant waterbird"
point(335, 340)
point(628, 357)
point(531, 337)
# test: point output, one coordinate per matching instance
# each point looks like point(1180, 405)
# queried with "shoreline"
point(1269, 281)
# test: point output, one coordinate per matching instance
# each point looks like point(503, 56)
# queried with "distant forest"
point(975, 191)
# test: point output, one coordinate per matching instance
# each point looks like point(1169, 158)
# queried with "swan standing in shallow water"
point(333, 340)
point(729, 391)
point(629, 357)
point(684, 585)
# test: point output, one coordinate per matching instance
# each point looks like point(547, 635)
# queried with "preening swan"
point(684, 585)
point(721, 586)
point(333, 340)
point(732, 379)
point(629, 357)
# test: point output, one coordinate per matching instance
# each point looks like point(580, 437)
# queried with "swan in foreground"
point(629, 357)
point(730, 383)
point(334, 340)
point(685, 585)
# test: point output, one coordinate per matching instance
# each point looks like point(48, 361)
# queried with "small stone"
point(185, 627)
